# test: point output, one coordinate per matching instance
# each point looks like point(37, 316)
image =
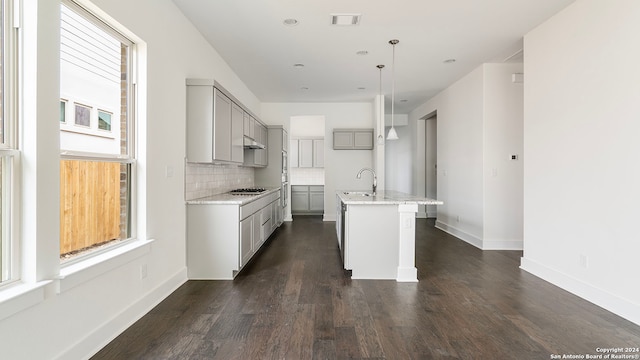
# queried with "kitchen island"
point(376, 233)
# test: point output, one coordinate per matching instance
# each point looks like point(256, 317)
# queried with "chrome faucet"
point(375, 178)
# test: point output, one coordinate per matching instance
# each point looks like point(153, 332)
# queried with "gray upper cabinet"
point(318, 153)
point(200, 123)
point(352, 139)
point(249, 129)
point(221, 126)
point(217, 124)
point(293, 154)
point(307, 153)
point(237, 135)
point(214, 124)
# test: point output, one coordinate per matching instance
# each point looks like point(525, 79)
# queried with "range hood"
point(249, 143)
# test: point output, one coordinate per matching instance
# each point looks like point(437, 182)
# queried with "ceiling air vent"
point(345, 19)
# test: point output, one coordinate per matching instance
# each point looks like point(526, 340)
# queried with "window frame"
point(10, 154)
point(129, 158)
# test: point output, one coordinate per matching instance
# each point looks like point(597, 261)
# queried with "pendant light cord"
point(393, 81)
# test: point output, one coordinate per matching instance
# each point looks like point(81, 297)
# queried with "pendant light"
point(393, 135)
point(380, 110)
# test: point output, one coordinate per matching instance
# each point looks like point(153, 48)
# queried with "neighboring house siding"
point(89, 56)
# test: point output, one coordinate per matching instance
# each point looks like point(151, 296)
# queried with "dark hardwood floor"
point(295, 302)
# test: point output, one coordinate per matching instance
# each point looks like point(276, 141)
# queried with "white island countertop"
point(386, 197)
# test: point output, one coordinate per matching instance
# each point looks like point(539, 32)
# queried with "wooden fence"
point(89, 204)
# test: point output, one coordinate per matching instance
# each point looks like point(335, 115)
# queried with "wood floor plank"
point(294, 301)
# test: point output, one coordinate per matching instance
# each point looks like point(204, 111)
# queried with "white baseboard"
point(329, 217)
point(502, 245)
point(480, 243)
point(99, 338)
point(611, 302)
point(466, 237)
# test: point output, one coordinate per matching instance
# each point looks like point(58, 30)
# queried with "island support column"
point(407, 271)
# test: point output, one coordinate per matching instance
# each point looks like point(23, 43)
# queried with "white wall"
point(341, 166)
point(582, 166)
point(310, 125)
point(503, 184)
point(398, 161)
point(479, 123)
point(460, 159)
point(77, 322)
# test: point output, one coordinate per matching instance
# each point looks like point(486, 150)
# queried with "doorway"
point(431, 162)
point(306, 157)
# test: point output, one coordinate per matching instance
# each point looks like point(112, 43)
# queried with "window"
point(104, 120)
point(97, 153)
point(83, 115)
point(9, 255)
point(63, 111)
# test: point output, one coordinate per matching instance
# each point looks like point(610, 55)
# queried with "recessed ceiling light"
point(345, 19)
point(362, 52)
point(298, 66)
point(290, 22)
point(304, 88)
point(404, 100)
point(449, 61)
point(361, 88)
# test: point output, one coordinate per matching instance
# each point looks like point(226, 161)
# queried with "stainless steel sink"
point(357, 193)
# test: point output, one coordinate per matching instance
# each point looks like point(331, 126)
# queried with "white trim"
point(21, 296)
point(480, 243)
point(502, 245)
point(327, 217)
point(466, 237)
point(103, 335)
point(611, 302)
point(94, 266)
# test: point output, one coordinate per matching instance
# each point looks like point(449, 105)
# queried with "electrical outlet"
point(143, 271)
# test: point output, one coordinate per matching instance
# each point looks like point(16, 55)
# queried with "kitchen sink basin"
point(358, 193)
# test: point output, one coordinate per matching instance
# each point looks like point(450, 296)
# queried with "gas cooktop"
point(247, 191)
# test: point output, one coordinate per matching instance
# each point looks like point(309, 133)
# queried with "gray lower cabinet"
point(307, 199)
point(222, 238)
point(246, 240)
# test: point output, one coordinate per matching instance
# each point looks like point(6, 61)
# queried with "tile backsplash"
point(209, 179)
point(307, 176)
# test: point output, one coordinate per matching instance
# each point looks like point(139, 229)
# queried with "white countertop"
point(388, 197)
point(230, 199)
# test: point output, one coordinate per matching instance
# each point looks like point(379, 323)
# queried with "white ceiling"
point(251, 37)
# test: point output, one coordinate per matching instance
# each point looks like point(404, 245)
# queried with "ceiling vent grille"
point(345, 19)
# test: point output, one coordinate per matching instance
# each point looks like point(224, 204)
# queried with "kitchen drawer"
point(254, 206)
point(316, 188)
